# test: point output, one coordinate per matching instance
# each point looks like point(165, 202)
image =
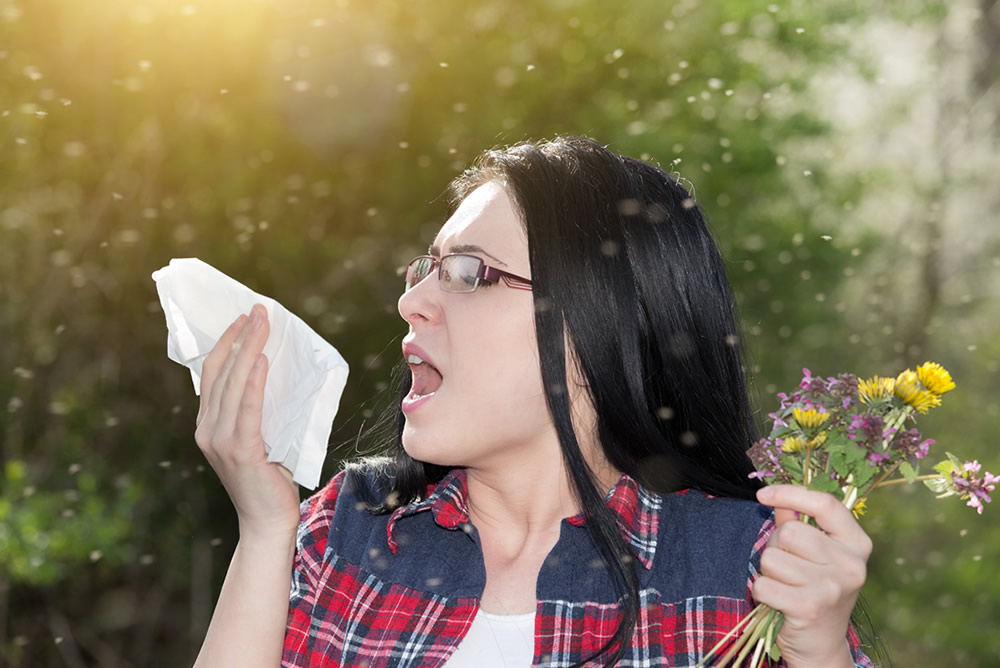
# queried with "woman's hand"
point(228, 431)
point(813, 576)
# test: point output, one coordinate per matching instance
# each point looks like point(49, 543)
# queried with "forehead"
point(486, 218)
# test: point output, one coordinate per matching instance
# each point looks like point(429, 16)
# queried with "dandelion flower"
point(935, 378)
point(810, 418)
point(859, 508)
point(911, 392)
point(875, 388)
point(818, 440)
point(793, 444)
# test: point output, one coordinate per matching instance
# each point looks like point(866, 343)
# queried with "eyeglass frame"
point(485, 272)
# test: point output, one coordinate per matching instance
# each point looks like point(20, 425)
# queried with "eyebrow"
point(466, 248)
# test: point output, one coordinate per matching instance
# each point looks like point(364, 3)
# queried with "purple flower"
point(969, 486)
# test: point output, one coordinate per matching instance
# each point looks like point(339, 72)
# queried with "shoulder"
point(713, 541)
point(362, 483)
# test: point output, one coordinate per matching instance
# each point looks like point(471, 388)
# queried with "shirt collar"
point(636, 509)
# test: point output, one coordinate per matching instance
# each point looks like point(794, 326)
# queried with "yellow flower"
point(793, 444)
point(875, 388)
point(911, 392)
point(810, 419)
point(859, 508)
point(935, 378)
point(818, 440)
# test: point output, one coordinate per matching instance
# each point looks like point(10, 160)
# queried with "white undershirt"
point(496, 641)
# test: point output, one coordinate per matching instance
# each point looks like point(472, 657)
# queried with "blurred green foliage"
point(303, 146)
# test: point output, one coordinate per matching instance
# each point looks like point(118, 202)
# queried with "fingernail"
point(259, 362)
point(765, 494)
point(255, 318)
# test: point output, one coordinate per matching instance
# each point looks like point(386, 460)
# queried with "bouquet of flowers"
point(850, 437)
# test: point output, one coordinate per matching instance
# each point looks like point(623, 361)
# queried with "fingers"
point(214, 361)
point(250, 344)
point(226, 368)
point(805, 541)
point(248, 417)
point(830, 514)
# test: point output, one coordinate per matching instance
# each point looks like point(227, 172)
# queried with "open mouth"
point(426, 378)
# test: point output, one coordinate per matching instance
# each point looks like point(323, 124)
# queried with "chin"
point(425, 447)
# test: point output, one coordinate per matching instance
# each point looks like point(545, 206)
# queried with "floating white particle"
point(799, 31)
point(74, 149)
point(807, 172)
point(443, 64)
point(95, 555)
point(826, 237)
point(530, 67)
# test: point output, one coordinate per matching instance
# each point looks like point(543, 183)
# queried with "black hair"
point(623, 262)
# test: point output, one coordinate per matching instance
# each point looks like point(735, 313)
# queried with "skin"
point(813, 575)
point(248, 625)
point(489, 415)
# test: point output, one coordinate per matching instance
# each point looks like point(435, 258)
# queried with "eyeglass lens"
point(459, 273)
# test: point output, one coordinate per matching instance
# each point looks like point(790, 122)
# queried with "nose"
point(422, 302)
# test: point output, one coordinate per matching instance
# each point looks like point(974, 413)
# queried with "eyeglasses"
point(460, 273)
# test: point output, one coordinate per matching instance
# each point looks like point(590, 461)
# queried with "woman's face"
point(489, 407)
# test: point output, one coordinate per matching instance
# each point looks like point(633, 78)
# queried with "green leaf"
point(939, 486)
point(775, 653)
point(945, 467)
point(853, 451)
point(955, 460)
point(908, 471)
point(823, 483)
point(863, 473)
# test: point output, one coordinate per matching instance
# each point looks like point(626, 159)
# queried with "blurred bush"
point(842, 150)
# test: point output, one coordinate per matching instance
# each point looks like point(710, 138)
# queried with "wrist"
point(839, 658)
point(267, 536)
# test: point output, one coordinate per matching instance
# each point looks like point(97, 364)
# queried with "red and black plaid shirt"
point(402, 589)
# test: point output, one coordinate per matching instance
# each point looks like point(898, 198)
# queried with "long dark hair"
point(623, 262)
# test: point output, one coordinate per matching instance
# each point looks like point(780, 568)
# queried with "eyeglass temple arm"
point(493, 275)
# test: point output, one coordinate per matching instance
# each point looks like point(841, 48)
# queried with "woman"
point(569, 484)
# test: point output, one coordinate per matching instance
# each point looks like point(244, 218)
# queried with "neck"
point(524, 501)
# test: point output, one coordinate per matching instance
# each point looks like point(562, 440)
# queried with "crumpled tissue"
point(306, 375)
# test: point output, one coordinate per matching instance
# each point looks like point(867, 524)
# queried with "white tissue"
point(306, 375)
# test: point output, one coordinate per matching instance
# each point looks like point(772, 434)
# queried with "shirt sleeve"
point(767, 528)
point(315, 515)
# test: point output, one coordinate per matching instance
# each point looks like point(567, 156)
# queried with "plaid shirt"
point(402, 589)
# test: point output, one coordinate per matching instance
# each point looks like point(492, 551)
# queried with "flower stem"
point(900, 481)
point(880, 480)
point(746, 621)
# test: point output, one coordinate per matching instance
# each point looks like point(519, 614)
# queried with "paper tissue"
point(306, 375)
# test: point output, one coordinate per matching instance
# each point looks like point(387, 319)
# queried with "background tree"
point(844, 152)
